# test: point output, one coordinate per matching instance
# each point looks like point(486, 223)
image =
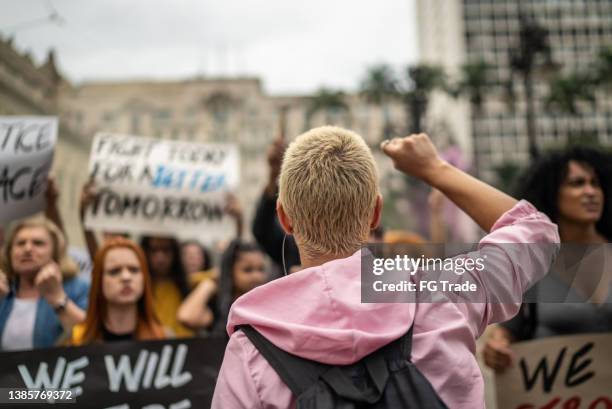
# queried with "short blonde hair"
point(59, 253)
point(328, 187)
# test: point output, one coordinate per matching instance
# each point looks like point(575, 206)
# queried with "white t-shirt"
point(19, 329)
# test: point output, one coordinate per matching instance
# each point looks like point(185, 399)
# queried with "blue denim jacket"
point(47, 326)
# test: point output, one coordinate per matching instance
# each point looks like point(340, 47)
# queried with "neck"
point(572, 232)
point(121, 319)
point(313, 260)
point(27, 288)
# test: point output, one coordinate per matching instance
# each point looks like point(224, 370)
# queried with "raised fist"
point(414, 155)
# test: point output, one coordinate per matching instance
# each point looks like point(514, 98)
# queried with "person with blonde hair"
point(41, 296)
point(329, 201)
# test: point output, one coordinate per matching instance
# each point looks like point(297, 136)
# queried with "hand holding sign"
point(88, 196)
point(558, 373)
point(275, 160)
point(153, 186)
point(497, 353)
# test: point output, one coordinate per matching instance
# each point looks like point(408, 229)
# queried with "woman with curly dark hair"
point(574, 189)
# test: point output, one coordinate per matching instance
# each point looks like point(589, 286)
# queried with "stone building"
point(230, 110)
point(28, 89)
point(454, 32)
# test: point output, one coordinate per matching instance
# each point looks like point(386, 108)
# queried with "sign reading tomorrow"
point(177, 374)
point(26, 156)
point(558, 373)
point(155, 186)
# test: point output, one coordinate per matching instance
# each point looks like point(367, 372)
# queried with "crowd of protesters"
point(154, 287)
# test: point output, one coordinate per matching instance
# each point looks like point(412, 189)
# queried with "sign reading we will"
point(26, 155)
point(172, 374)
point(154, 186)
point(571, 372)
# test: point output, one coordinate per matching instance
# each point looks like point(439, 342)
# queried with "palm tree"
point(327, 100)
point(603, 67)
point(379, 87)
point(473, 84)
point(565, 92)
point(421, 81)
point(524, 58)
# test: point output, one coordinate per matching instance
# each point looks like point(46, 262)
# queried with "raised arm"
point(194, 312)
point(415, 155)
point(88, 194)
point(51, 209)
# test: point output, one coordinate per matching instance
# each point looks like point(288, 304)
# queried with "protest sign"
point(26, 155)
point(173, 374)
point(571, 372)
point(155, 186)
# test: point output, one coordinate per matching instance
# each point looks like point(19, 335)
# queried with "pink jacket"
point(317, 314)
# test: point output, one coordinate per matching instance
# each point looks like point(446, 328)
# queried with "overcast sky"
point(294, 46)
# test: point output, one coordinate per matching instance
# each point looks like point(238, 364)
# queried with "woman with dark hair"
point(573, 188)
point(242, 269)
point(196, 261)
point(121, 297)
point(169, 280)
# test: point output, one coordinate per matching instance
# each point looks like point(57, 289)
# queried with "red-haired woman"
point(120, 299)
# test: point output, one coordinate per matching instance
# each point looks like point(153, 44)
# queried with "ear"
point(284, 220)
point(377, 215)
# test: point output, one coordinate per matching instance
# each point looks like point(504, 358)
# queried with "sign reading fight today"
point(571, 372)
point(26, 155)
point(154, 186)
point(173, 374)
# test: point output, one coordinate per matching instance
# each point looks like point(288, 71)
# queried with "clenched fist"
point(4, 285)
point(48, 281)
point(414, 155)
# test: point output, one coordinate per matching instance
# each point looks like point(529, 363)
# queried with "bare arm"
point(194, 312)
point(234, 210)
point(415, 155)
point(88, 194)
point(51, 210)
point(437, 228)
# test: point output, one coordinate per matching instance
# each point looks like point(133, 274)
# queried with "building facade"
point(229, 110)
point(454, 32)
point(31, 90)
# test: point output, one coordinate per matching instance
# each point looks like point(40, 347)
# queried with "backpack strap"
point(300, 374)
point(401, 348)
point(297, 373)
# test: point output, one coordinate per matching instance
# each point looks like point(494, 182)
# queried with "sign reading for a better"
point(572, 372)
point(26, 155)
point(155, 186)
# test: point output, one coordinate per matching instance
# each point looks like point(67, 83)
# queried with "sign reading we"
point(26, 155)
point(571, 372)
point(154, 186)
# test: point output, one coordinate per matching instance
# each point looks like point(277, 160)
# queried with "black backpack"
point(385, 379)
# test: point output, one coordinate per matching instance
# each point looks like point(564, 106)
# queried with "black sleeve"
point(523, 325)
point(269, 234)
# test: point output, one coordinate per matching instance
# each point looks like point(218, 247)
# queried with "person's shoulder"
point(76, 284)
